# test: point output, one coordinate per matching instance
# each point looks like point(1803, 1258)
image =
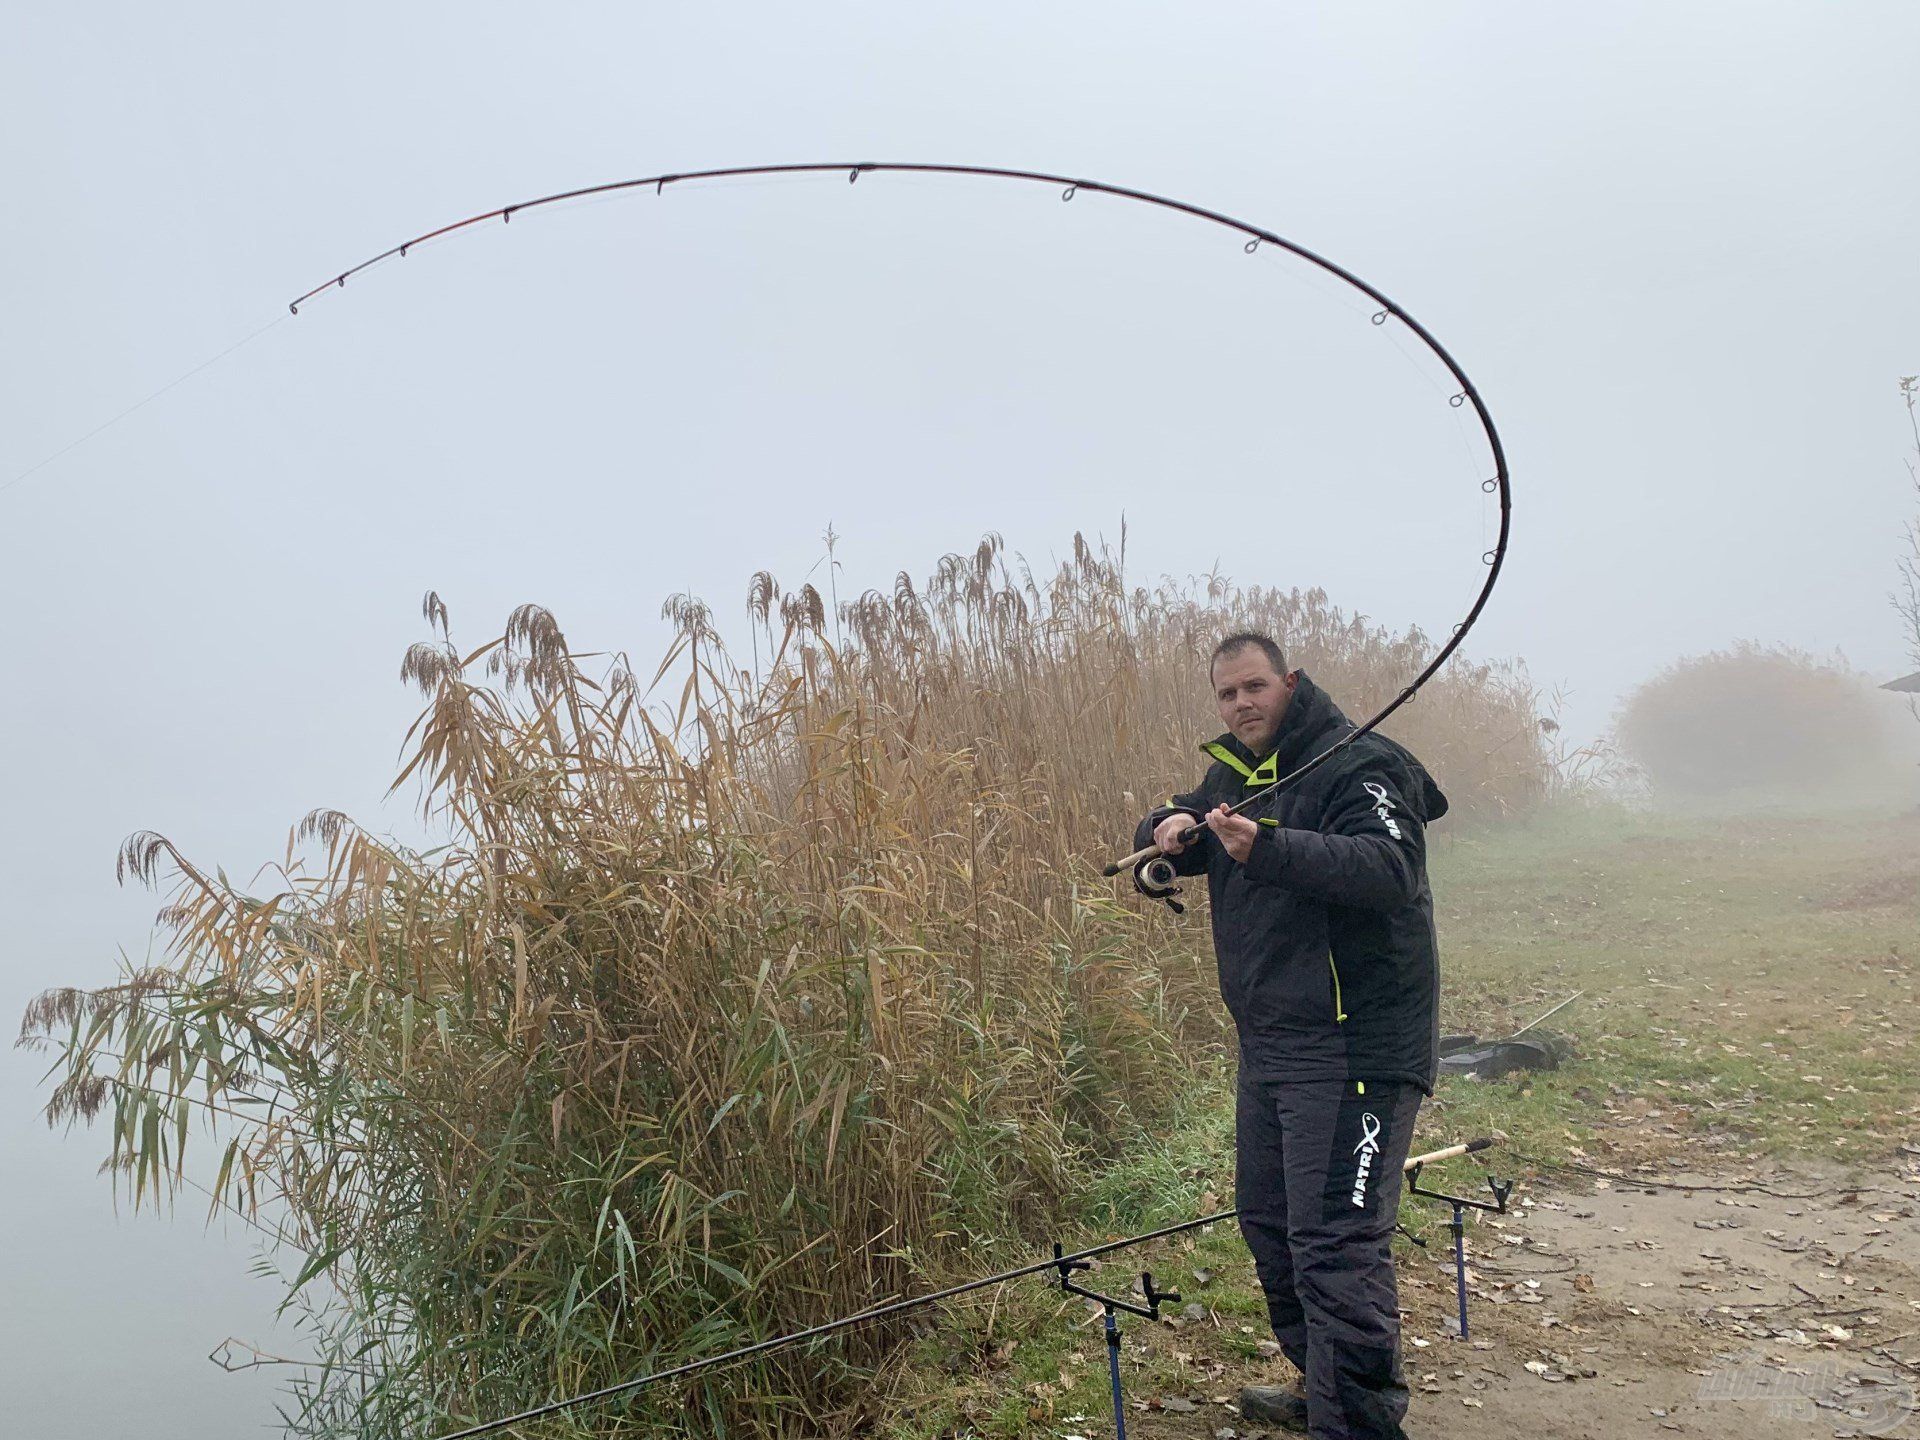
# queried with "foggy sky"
point(1674, 247)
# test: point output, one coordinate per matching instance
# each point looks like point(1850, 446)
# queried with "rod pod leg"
point(1461, 1204)
point(1109, 1307)
point(1459, 1227)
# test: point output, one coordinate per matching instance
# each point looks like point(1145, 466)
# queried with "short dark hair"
point(1250, 640)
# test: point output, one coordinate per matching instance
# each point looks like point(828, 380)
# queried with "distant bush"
point(1751, 718)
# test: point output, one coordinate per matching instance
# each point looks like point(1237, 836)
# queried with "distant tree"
point(1753, 717)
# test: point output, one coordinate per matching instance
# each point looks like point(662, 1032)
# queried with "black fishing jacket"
point(1324, 937)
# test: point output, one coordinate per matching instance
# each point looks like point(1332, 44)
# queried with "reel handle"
point(1130, 861)
point(1144, 854)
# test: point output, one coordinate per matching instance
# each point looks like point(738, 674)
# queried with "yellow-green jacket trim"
point(1265, 773)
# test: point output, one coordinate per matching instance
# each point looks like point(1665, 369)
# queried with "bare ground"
point(1619, 1309)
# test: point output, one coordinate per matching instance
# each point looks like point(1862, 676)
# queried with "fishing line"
point(108, 424)
point(1642, 1181)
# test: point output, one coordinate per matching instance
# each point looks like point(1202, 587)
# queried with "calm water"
point(109, 1317)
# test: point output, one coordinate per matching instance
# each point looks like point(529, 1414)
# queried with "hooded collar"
point(1311, 718)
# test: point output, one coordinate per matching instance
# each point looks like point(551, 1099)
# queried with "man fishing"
point(1323, 931)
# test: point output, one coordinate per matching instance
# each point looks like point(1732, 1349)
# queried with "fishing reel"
point(1154, 877)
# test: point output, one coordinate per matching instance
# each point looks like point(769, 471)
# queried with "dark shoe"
point(1278, 1405)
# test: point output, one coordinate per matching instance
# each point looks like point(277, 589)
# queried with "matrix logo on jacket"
point(1383, 804)
point(1367, 1149)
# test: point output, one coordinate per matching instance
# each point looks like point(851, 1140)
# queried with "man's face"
point(1252, 696)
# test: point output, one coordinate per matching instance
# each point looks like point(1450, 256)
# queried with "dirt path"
point(1623, 1310)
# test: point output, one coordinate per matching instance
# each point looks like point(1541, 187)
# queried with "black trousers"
point(1317, 1184)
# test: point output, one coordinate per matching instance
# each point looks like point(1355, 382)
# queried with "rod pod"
point(1458, 1224)
point(1109, 1305)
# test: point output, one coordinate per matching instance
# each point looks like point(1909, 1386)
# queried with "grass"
point(1749, 997)
point(1745, 975)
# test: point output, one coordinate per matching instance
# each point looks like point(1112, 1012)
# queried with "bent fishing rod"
point(1257, 239)
point(1057, 1262)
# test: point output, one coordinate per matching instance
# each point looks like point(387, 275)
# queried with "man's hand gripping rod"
point(1141, 856)
point(1154, 875)
point(1186, 836)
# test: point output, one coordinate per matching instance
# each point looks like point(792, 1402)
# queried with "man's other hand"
point(1236, 832)
point(1174, 834)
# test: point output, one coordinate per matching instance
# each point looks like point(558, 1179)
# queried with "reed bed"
point(717, 1016)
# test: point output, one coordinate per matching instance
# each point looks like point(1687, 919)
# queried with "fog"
point(1674, 247)
point(1757, 728)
